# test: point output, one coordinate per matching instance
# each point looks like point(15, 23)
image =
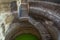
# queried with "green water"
point(26, 37)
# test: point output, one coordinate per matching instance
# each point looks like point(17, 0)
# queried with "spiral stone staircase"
point(40, 18)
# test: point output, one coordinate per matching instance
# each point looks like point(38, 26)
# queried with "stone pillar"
point(22, 9)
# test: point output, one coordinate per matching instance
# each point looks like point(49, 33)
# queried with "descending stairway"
point(43, 21)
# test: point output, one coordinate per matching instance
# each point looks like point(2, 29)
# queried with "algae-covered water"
point(26, 37)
